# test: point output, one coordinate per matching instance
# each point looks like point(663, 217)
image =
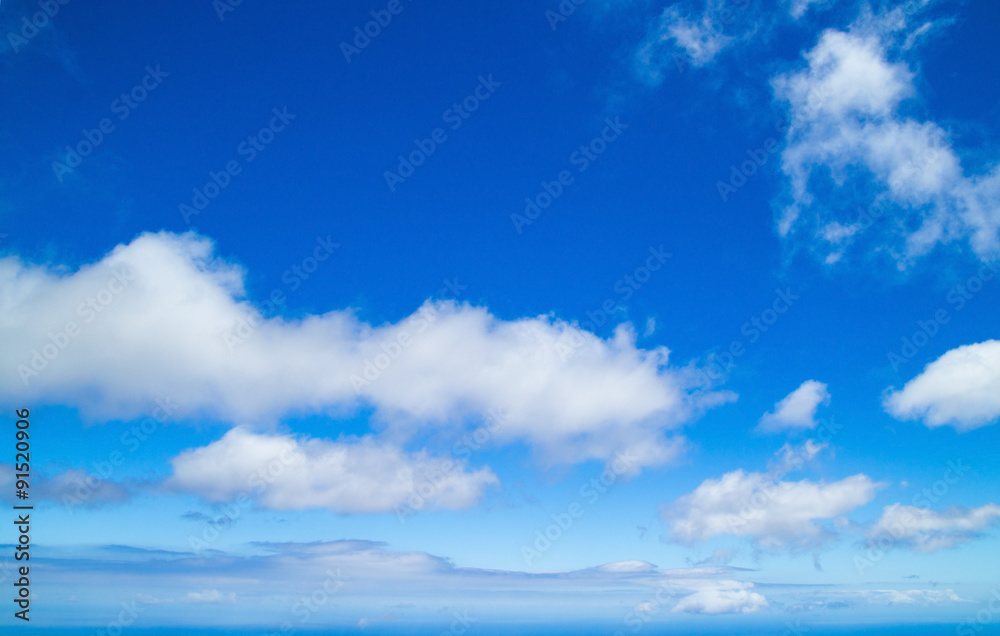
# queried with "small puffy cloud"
point(847, 127)
point(176, 321)
point(699, 38)
point(285, 473)
point(772, 513)
point(798, 8)
point(796, 411)
point(958, 389)
point(677, 39)
point(731, 599)
point(846, 75)
point(925, 530)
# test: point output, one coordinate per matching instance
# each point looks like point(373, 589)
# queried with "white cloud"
point(363, 578)
point(699, 38)
point(146, 599)
point(903, 597)
point(846, 125)
point(69, 488)
point(76, 487)
point(627, 566)
point(828, 598)
point(799, 8)
point(359, 577)
point(794, 457)
point(209, 597)
point(678, 40)
point(772, 513)
point(285, 473)
point(958, 389)
point(719, 600)
point(926, 530)
point(796, 411)
point(162, 304)
point(719, 556)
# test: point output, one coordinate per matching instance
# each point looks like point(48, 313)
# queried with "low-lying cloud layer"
point(342, 582)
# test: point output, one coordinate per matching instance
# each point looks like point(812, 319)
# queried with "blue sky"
point(705, 291)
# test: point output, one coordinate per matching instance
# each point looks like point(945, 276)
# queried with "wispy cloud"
point(369, 572)
point(849, 129)
point(926, 530)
